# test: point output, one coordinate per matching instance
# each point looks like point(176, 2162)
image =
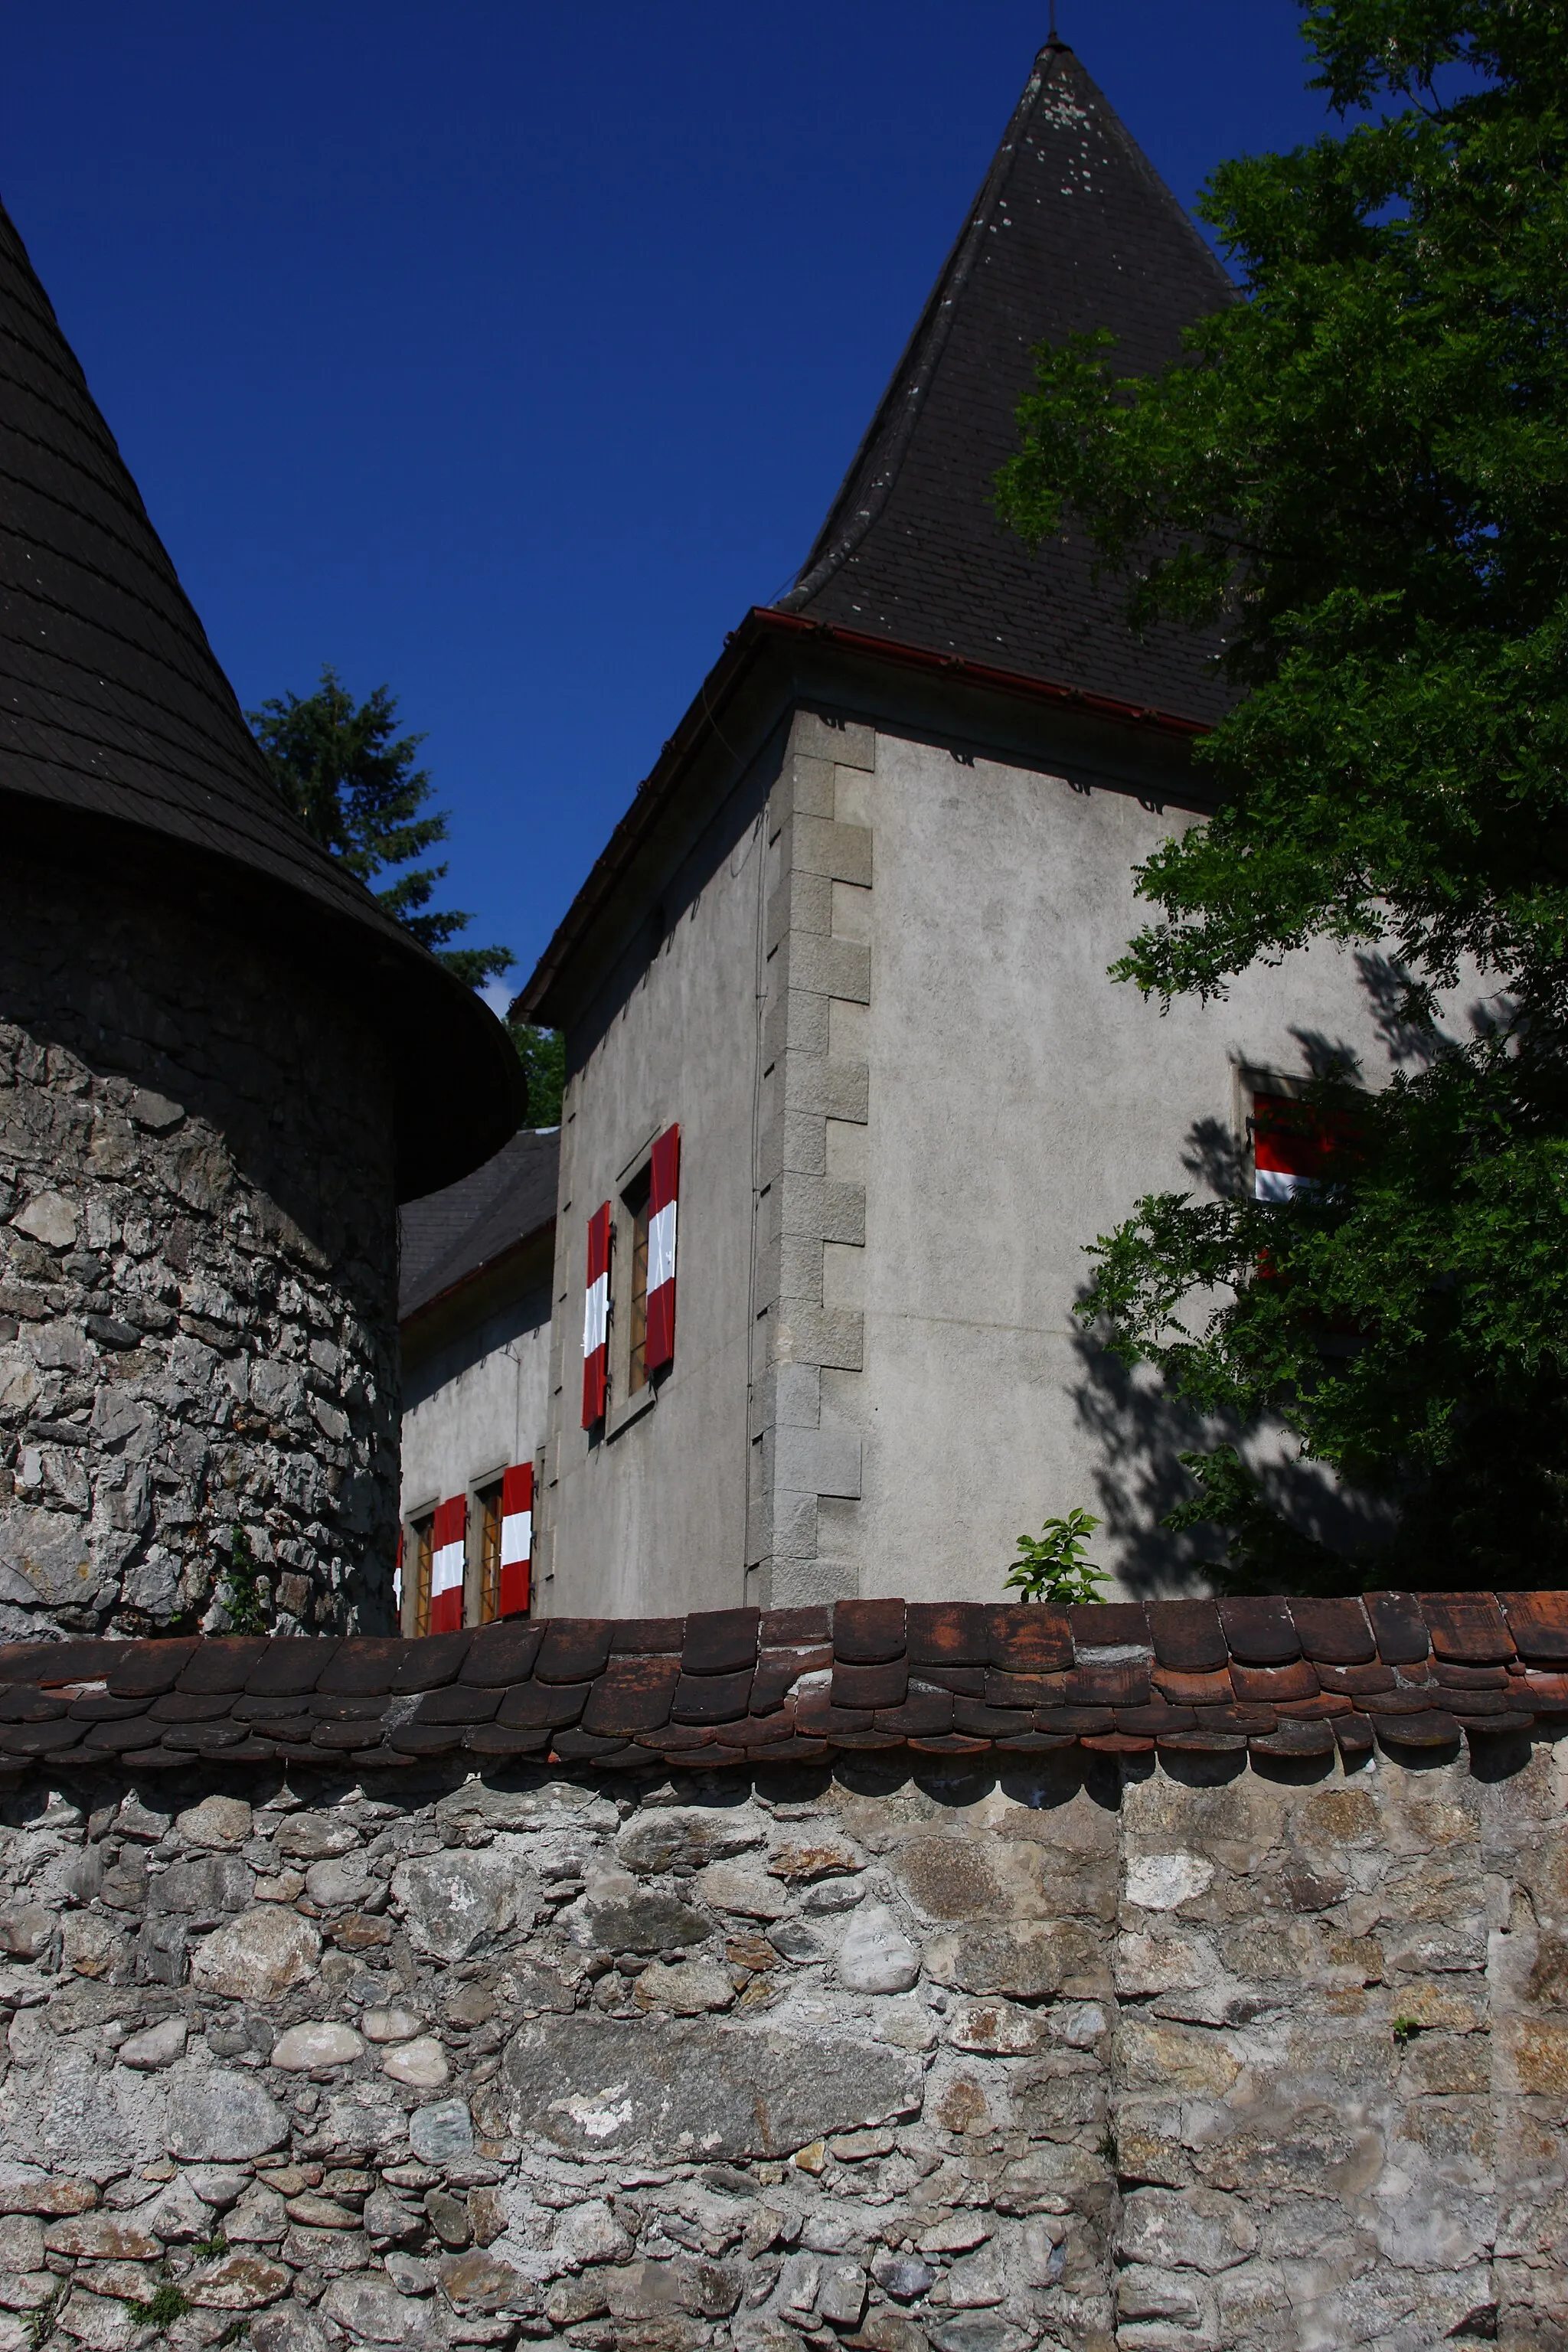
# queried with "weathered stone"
point(983, 2331)
point(216, 1821)
point(220, 2116)
point(217, 1881)
point(21, 2242)
point(390, 2024)
point(598, 2085)
point(177, 2214)
point(480, 2281)
point(258, 2218)
point(1163, 1882)
point(103, 2324)
point(1193, 2229)
point(239, 2283)
point(257, 1955)
point(304, 2047)
point(441, 2131)
point(27, 1930)
point(421, 2063)
point(626, 1918)
point(994, 2028)
point(876, 1956)
point(957, 2235)
point(904, 2276)
point(371, 2308)
point(287, 2327)
point(102, 2238)
point(644, 2290)
point(334, 1883)
point(1175, 2057)
point(744, 1888)
point(455, 1903)
point(978, 2282)
point(159, 2046)
point(590, 2234)
point(27, 2189)
point(1027, 1960)
point(315, 1837)
point(656, 1842)
point(685, 1989)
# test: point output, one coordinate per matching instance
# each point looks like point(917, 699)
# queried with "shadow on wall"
point(1140, 1429)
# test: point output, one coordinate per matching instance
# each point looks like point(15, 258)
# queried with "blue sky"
point(507, 353)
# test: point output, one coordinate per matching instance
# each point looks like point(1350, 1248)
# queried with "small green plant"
point(241, 1591)
point(1053, 1566)
point(161, 2308)
point(40, 2324)
point(1405, 2029)
point(209, 2249)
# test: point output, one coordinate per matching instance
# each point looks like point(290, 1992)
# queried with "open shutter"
point(516, 1541)
point(596, 1318)
point(664, 1182)
point(1294, 1146)
point(447, 1564)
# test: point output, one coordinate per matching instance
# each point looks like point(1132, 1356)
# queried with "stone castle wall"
point(1056, 2053)
point(197, 1271)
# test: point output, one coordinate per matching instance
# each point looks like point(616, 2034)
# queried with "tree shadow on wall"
point(1138, 1429)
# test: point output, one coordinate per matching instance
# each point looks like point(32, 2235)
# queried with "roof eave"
point(764, 628)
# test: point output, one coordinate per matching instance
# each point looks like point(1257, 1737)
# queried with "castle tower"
point(221, 1066)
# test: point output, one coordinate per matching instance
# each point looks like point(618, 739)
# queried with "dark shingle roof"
point(457, 1232)
point(113, 705)
point(1072, 230)
point(1277, 1677)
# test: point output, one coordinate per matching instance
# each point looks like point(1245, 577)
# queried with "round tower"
point(221, 1068)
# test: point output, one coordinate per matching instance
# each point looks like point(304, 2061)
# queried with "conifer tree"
point(351, 780)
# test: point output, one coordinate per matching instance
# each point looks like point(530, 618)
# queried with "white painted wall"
point(477, 1406)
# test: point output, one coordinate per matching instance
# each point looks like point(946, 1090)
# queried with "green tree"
point(542, 1053)
point(1359, 472)
point(351, 780)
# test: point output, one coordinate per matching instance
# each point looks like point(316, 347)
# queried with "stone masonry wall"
point(888, 2052)
point(197, 1271)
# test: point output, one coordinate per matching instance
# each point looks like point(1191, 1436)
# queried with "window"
point(423, 1531)
point(637, 1197)
point(1297, 1146)
point(489, 1501)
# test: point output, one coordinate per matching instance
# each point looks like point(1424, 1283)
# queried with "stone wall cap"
point(1296, 1677)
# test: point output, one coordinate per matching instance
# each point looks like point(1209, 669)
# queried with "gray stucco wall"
point(650, 1515)
point(1019, 1103)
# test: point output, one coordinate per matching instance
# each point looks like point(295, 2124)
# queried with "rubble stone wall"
point(888, 2052)
point(197, 1274)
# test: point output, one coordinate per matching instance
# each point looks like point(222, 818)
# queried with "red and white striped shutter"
point(516, 1541)
point(448, 1562)
point(1292, 1147)
point(397, 1580)
point(596, 1320)
point(664, 1182)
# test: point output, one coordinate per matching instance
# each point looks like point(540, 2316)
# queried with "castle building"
point(218, 1062)
point(849, 1090)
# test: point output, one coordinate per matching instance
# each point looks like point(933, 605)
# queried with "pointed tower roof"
point(114, 712)
point(1073, 229)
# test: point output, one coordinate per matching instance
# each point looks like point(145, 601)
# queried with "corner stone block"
point(842, 853)
point(844, 742)
point(830, 968)
point(820, 1462)
point(829, 1337)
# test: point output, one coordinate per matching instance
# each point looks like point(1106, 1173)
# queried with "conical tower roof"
point(114, 712)
point(1073, 229)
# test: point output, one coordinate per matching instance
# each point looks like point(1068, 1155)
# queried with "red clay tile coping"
point(1276, 1676)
